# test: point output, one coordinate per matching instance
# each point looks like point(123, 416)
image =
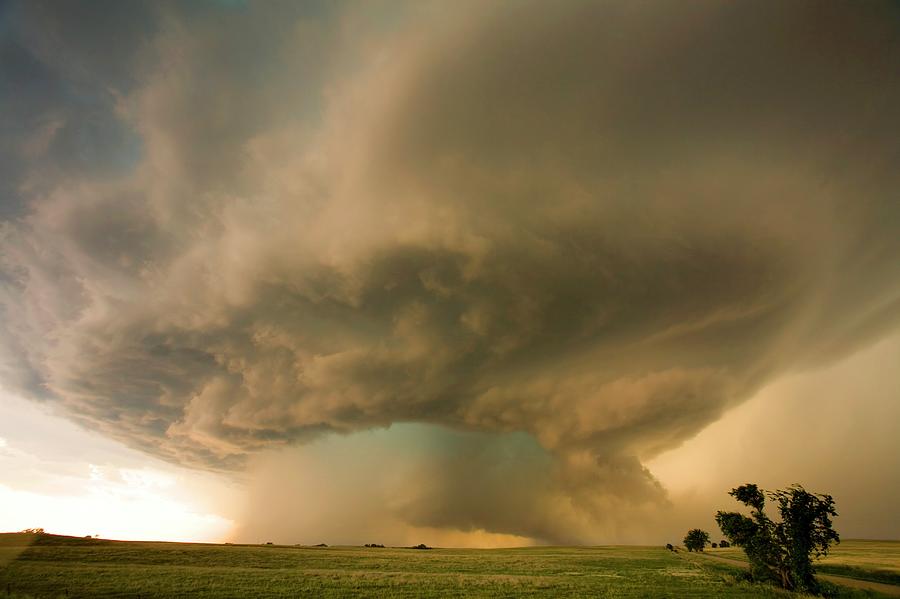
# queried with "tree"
point(782, 551)
point(696, 539)
point(723, 544)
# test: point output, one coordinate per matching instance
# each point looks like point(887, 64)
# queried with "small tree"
point(723, 544)
point(782, 551)
point(696, 539)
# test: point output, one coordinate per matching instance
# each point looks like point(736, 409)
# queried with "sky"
point(469, 274)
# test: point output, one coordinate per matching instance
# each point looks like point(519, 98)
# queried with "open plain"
point(52, 566)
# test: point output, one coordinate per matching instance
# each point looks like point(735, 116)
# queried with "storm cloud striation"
point(600, 225)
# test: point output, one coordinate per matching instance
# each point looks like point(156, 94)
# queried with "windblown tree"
point(696, 539)
point(782, 552)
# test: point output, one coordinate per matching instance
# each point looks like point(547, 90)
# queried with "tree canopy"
point(782, 552)
point(696, 539)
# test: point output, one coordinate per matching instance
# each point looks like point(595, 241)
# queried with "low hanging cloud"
point(601, 225)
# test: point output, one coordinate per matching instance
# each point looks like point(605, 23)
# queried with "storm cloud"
point(600, 225)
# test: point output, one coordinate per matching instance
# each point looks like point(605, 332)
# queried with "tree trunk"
point(786, 581)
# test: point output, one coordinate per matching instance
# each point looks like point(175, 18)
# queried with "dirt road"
point(878, 587)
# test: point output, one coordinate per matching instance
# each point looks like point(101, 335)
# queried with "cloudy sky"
point(463, 273)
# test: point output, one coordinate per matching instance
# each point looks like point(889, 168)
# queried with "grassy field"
point(878, 561)
point(66, 567)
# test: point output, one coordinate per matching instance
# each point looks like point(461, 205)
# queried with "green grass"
point(877, 561)
point(56, 567)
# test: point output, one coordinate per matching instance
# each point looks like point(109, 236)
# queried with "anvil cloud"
point(598, 224)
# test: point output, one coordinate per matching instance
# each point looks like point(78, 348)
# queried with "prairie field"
point(877, 561)
point(52, 566)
